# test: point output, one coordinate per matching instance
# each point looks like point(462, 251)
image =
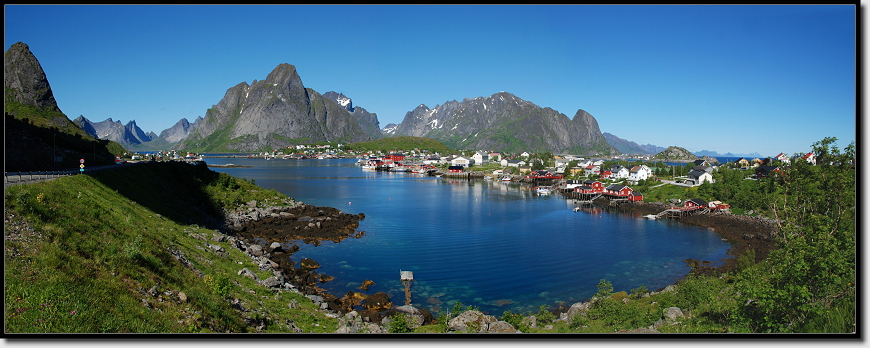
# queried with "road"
point(15, 178)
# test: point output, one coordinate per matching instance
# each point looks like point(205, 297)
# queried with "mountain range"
point(504, 122)
point(630, 147)
point(728, 154)
point(115, 131)
point(273, 113)
point(280, 111)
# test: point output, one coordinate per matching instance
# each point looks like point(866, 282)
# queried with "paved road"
point(15, 178)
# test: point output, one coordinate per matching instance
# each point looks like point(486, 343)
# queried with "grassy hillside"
point(98, 253)
point(402, 143)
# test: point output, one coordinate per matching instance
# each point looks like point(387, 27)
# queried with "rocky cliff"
point(180, 130)
point(273, 113)
point(675, 153)
point(24, 75)
point(367, 121)
point(504, 122)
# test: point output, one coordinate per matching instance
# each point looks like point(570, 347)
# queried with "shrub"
point(639, 291)
point(399, 323)
point(220, 285)
point(544, 316)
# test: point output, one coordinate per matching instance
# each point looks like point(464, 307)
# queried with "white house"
point(432, 160)
point(461, 161)
point(512, 163)
point(782, 157)
point(525, 154)
point(638, 173)
point(561, 162)
point(810, 157)
point(590, 169)
point(480, 157)
point(698, 177)
point(619, 172)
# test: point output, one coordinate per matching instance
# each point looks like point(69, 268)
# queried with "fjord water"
point(497, 246)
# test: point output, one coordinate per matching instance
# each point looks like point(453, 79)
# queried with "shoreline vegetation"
point(181, 255)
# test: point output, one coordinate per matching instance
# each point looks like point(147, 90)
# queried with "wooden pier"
point(676, 213)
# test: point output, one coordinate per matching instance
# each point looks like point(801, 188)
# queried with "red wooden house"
point(454, 169)
point(606, 174)
point(395, 157)
point(590, 186)
point(618, 191)
point(695, 203)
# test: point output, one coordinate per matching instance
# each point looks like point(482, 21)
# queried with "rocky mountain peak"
point(341, 99)
point(24, 76)
point(273, 113)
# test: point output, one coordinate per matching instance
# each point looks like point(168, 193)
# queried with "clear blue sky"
point(724, 78)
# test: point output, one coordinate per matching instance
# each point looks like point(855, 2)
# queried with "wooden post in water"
point(407, 277)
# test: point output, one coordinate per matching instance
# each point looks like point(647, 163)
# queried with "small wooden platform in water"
point(407, 275)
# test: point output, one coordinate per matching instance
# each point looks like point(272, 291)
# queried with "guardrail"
point(33, 176)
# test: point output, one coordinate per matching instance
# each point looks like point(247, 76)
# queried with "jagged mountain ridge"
point(129, 134)
point(273, 113)
point(504, 122)
point(630, 147)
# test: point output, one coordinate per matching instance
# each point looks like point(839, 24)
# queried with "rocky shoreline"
point(742, 231)
point(262, 233)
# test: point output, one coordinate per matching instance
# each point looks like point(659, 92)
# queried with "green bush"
point(544, 316)
point(639, 291)
point(399, 323)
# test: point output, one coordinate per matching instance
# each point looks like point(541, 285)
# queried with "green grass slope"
point(99, 253)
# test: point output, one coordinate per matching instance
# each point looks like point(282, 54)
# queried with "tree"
point(605, 288)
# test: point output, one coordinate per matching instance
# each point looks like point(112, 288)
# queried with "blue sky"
point(724, 78)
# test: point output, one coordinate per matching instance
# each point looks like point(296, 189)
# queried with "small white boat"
point(544, 190)
point(651, 217)
point(506, 179)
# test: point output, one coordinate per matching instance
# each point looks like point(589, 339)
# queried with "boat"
point(506, 179)
point(651, 217)
point(544, 190)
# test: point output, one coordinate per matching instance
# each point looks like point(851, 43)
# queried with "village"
point(582, 179)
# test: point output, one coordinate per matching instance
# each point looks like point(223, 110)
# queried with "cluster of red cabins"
point(614, 191)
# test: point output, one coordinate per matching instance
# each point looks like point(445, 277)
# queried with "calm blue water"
point(493, 245)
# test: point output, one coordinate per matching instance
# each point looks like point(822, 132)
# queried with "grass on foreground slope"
point(100, 243)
